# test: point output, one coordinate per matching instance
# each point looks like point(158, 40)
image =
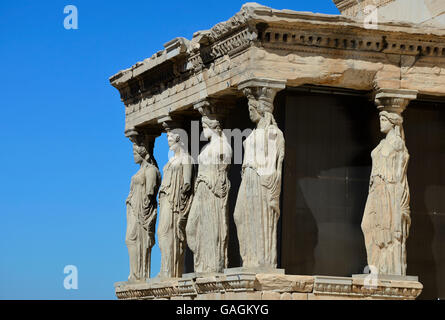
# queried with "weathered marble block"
point(244, 285)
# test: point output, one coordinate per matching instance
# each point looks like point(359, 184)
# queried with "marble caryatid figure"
point(141, 213)
point(175, 197)
point(207, 227)
point(258, 204)
point(386, 219)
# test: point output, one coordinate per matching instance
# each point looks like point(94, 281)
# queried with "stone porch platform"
point(237, 284)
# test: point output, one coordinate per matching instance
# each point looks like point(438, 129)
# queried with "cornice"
point(182, 62)
point(252, 14)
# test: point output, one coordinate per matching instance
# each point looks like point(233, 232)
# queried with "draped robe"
point(386, 220)
point(141, 219)
point(258, 204)
point(174, 203)
point(207, 227)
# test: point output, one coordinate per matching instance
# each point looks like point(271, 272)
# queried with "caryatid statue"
point(258, 204)
point(207, 226)
point(386, 220)
point(175, 197)
point(142, 209)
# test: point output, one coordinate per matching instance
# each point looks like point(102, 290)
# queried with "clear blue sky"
point(65, 163)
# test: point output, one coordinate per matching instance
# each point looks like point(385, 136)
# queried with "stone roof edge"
point(258, 13)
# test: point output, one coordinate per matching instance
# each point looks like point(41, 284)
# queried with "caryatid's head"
point(173, 139)
point(389, 121)
point(210, 127)
point(140, 153)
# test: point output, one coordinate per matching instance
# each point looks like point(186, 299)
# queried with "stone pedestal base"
point(237, 284)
